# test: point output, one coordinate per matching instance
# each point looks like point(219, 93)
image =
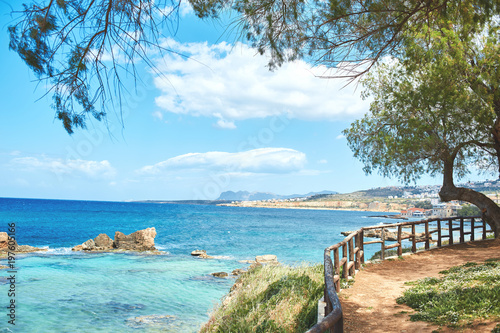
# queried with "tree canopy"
point(81, 49)
point(435, 110)
point(333, 32)
point(469, 210)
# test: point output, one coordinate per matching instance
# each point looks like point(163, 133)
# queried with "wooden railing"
point(452, 230)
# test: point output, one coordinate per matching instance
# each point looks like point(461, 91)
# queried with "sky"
point(217, 120)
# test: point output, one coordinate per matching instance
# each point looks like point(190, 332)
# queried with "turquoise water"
point(63, 291)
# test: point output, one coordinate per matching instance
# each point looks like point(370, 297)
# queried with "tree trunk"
point(490, 211)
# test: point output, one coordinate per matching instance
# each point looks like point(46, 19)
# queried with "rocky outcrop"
point(238, 271)
point(220, 274)
point(88, 245)
point(269, 259)
point(103, 241)
point(28, 249)
point(247, 261)
point(4, 241)
point(6, 247)
point(141, 240)
point(266, 259)
point(201, 254)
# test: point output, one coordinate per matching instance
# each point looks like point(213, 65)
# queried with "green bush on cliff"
point(270, 299)
point(463, 294)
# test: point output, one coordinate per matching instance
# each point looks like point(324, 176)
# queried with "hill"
point(257, 196)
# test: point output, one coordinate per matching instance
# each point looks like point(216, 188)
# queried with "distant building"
point(445, 209)
point(414, 212)
point(495, 197)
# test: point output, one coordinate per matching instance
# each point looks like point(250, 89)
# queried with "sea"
point(64, 291)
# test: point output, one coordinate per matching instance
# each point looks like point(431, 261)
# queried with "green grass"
point(463, 294)
point(270, 299)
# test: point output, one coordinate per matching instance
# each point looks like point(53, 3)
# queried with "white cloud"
point(322, 161)
point(222, 123)
point(232, 83)
point(184, 9)
point(158, 115)
point(340, 137)
point(89, 169)
point(262, 160)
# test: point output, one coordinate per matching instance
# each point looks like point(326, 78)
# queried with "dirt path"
point(370, 304)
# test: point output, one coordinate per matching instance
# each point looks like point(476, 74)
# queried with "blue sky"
point(213, 122)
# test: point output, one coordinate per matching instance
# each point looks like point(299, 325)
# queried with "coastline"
point(282, 205)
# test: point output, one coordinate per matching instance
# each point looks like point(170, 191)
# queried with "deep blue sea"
point(64, 291)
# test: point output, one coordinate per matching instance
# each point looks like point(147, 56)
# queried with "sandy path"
point(370, 304)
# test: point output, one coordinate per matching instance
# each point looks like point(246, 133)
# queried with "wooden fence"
point(453, 230)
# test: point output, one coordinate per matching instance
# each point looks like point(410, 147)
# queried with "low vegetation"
point(464, 294)
point(270, 299)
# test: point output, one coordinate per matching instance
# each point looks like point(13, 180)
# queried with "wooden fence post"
point(362, 245)
point(351, 258)
point(400, 241)
point(427, 236)
point(484, 229)
point(439, 232)
point(462, 231)
point(328, 302)
point(472, 229)
point(413, 239)
point(345, 271)
point(382, 252)
point(336, 268)
point(450, 227)
point(357, 262)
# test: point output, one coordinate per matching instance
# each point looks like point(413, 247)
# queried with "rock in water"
point(4, 241)
point(141, 240)
point(103, 242)
point(220, 274)
point(197, 253)
point(88, 245)
point(267, 259)
point(201, 254)
point(158, 321)
point(4, 245)
point(238, 271)
point(28, 249)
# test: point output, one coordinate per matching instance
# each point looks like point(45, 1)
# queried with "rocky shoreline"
point(6, 245)
point(267, 259)
point(138, 241)
point(340, 205)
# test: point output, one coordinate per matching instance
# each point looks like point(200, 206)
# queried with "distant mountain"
point(245, 196)
point(256, 196)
